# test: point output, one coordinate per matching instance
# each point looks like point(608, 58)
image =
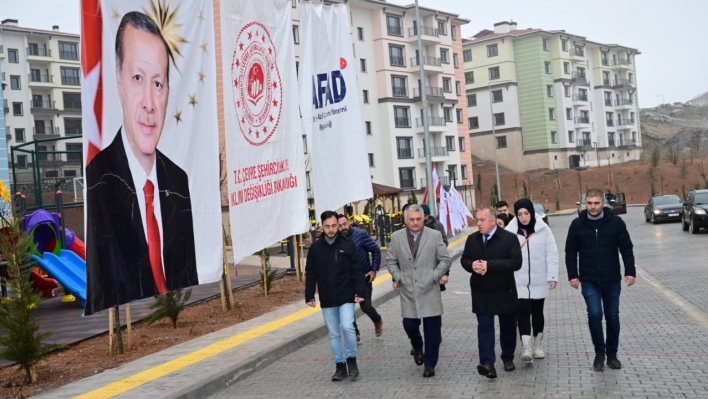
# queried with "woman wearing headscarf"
point(537, 276)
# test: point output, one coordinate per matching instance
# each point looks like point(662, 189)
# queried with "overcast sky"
point(670, 34)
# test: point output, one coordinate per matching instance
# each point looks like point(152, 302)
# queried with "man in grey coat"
point(418, 259)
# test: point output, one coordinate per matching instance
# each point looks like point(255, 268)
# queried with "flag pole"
point(426, 130)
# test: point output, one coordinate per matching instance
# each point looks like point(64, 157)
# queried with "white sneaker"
point(538, 352)
point(526, 357)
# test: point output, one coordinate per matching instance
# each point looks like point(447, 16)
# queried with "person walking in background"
point(370, 265)
point(503, 207)
point(538, 275)
point(334, 270)
point(418, 259)
point(597, 238)
point(502, 220)
point(492, 255)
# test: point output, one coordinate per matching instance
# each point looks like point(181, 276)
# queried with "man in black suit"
point(140, 235)
point(492, 255)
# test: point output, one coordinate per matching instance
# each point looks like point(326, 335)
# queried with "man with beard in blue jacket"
point(597, 237)
point(364, 246)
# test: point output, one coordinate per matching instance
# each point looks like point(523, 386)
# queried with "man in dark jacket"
point(364, 246)
point(597, 237)
point(492, 255)
point(333, 268)
point(433, 223)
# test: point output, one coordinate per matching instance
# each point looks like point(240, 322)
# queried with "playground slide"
point(68, 269)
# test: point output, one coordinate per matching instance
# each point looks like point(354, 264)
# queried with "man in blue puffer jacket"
point(597, 237)
point(364, 245)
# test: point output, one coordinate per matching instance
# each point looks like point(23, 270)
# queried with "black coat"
point(117, 259)
point(599, 249)
point(496, 290)
point(336, 272)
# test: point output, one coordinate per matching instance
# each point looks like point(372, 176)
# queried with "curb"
point(212, 384)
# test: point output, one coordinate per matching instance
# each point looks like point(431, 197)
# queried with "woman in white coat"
point(537, 276)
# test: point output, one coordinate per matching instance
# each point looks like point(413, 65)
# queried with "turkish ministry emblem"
point(256, 84)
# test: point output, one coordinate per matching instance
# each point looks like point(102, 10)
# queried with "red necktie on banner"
point(154, 238)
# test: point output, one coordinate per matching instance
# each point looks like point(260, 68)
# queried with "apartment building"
point(553, 99)
point(42, 97)
point(384, 38)
point(4, 167)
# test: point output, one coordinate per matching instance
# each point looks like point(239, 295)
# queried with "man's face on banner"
point(143, 90)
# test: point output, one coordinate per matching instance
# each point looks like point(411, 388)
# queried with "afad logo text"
point(328, 89)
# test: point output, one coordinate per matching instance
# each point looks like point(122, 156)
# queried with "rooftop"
point(12, 25)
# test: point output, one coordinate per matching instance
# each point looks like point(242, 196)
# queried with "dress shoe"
point(613, 363)
point(378, 328)
point(509, 365)
point(487, 370)
point(599, 363)
point(412, 352)
point(429, 372)
point(418, 356)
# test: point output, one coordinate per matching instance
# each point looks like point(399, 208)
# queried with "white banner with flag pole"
point(266, 165)
point(329, 101)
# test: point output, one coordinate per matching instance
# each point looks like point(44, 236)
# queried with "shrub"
point(169, 306)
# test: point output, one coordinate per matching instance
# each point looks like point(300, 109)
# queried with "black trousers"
point(368, 308)
point(432, 329)
point(530, 313)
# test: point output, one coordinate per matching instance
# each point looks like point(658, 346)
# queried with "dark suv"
point(694, 211)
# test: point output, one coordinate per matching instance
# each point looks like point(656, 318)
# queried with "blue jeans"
point(599, 296)
point(340, 322)
point(485, 336)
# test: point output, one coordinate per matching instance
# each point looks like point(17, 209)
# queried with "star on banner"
point(178, 116)
point(115, 14)
point(193, 100)
point(203, 46)
point(165, 19)
point(201, 76)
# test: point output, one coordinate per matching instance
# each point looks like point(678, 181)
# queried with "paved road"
point(665, 354)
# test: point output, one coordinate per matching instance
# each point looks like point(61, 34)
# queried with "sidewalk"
point(208, 364)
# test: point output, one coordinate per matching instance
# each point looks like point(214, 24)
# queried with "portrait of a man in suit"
point(140, 234)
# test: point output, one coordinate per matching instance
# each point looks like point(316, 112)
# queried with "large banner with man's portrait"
point(153, 217)
point(264, 144)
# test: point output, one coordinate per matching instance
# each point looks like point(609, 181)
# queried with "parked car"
point(541, 211)
point(693, 212)
point(618, 205)
point(663, 208)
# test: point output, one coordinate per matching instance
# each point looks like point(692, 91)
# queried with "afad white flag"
point(264, 150)
point(444, 212)
point(329, 100)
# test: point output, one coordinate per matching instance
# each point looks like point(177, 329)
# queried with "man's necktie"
point(486, 238)
point(153, 233)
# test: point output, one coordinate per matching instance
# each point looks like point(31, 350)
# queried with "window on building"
point(308, 184)
point(393, 23)
point(70, 173)
point(360, 34)
point(458, 88)
point(404, 147)
point(442, 27)
point(467, 55)
point(605, 59)
point(554, 138)
point(76, 155)
point(450, 143)
point(22, 161)
point(463, 171)
point(546, 45)
point(547, 67)
point(297, 68)
point(296, 34)
point(630, 77)
point(72, 100)
point(497, 96)
point(72, 126)
point(569, 114)
point(458, 114)
point(566, 68)
point(20, 135)
point(552, 114)
point(400, 86)
point(472, 100)
point(455, 60)
point(605, 78)
point(70, 76)
point(494, 73)
point(501, 142)
point(571, 136)
point(68, 51)
point(469, 77)
point(634, 137)
point(609, 118)
point(304, 144)
point(17, 109)
point(453, 32)
point(401, 117)
point(473, 122)
point(294, 2)
point(566, 91)
point(368, 128)
point(362, 64)
point(499, 119)
point(407, 177)
point(461, 143)
point(444, 56)
point(447, 112)
point(12, 56)
point(365, 96)
point(549, 90)
point(564, 45)
point(396, 56)
point(447, 85)
point(14, 82)
point(492, 50)
point(371, 160)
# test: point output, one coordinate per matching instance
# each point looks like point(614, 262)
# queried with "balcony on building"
point(580, 99)
point(432, 94)
point(445, 180)
point(69, 55)
point(577, 52)
point(405, 153)
point(580, 78)
point(428, 34)
point(43, 106)
point(70, 80)
point(625, 103)
point(625, 123)
point(70, 105)
point(621, 63)
point(46, 132)
point(394, 30)
point(36, 53)
point(582, 120)
point(431, 63)
point(398, 91)
point(402, 122)
point(608, 102)
point(627, 143)
point(73, 131)
point(622, 83)
point(436, 124)
point(584, 145)
point(41, 80)
point(437, 154)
